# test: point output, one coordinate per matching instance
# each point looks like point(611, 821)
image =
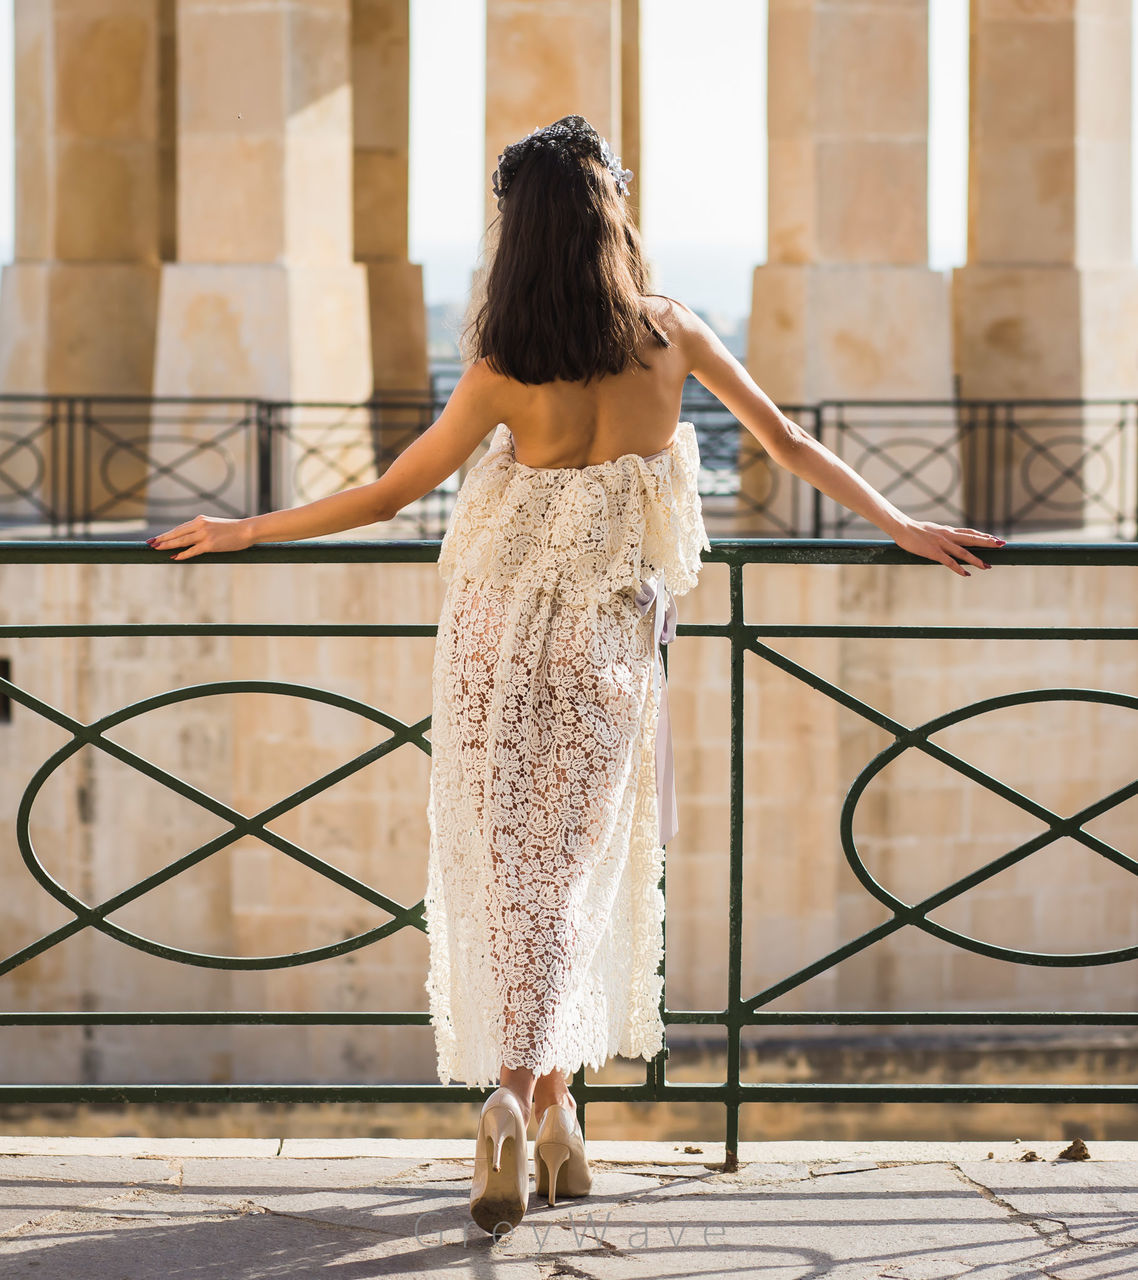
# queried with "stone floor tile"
point(1095, 1203)
point(236, 1174)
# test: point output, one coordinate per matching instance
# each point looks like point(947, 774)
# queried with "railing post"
point(51, 488)
point(816, 495)
point(263, 425)
point(83, 418)
point(734, 1019)
point(1134, 438)
point(72, 464)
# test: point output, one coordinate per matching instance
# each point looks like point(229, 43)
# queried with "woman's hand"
point(944, 543)
point(204, 533)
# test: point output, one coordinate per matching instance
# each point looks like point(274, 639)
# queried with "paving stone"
point(1096, 1203)
point(175, 1148)
point(758, 1173)
point(921, 1220)
point(243, 1175)
point(440, 1171)
point(110, 1171)
point(924, 1152)
point(24, 1203)
point(667, 1153)
point(614, 1184)
point(387, 1212)
point(34, 1187)
point(238, 1244)
point(378, 1148)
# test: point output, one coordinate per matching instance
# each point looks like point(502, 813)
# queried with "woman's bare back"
point(571, 424)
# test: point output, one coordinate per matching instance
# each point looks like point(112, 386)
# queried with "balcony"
point(808, 908)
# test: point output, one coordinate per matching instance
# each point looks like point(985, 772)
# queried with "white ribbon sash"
point(663, 631)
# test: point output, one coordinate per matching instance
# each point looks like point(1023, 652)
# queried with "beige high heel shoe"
point(500, 1189)
point(559, 1154)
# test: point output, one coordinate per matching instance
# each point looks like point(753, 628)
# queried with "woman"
point(551, 793)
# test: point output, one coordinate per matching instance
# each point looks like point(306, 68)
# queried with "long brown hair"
point(560, 293)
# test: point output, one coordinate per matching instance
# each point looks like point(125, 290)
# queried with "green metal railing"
point(83, 465)
point(742, 1009)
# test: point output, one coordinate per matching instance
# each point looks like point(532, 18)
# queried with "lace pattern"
point(582, 532)
point(543, 907)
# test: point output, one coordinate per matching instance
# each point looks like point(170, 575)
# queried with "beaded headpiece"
point(573, 135)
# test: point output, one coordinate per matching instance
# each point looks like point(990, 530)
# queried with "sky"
point(703, 147)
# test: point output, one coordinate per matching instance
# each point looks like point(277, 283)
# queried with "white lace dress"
point(550, 755)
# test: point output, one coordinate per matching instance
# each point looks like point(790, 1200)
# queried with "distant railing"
point(83, 466)
point(743, 1008)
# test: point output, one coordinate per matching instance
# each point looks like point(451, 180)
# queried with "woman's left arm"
point(468, 416)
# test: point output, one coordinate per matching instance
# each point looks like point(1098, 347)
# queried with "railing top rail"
point(723, 550)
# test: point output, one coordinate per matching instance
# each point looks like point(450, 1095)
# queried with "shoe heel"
point(559, 1150)
point(498, 1126)
point(499, 1188)
point(553, 1155)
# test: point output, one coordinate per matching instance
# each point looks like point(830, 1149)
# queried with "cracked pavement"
point(242, 1209)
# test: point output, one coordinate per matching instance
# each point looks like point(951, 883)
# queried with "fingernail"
point(985, 564)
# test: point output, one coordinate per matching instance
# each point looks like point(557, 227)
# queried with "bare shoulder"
point(708, 358)
point(685, 330)
point(482, 385)
point(670, 313)
point(479, 375)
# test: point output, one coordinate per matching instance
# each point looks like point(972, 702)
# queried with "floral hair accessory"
point(571, 135)
point(622, 176)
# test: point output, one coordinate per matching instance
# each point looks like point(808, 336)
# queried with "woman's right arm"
point(469, 415)
point(795, 449)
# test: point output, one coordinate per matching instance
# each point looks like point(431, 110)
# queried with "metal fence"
point(84, 466)
point(743, 1008)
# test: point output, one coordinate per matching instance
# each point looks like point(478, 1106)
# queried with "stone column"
point(1047, 305)
point(78, 304)
point(629, 151)
point(557, 58)
point(265, 299)
point(381, 98)
point(846, 305)
point(380, 89)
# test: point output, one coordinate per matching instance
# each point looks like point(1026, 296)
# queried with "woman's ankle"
point(526, 1105)
point(521, 1083)
point(543, 1098)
